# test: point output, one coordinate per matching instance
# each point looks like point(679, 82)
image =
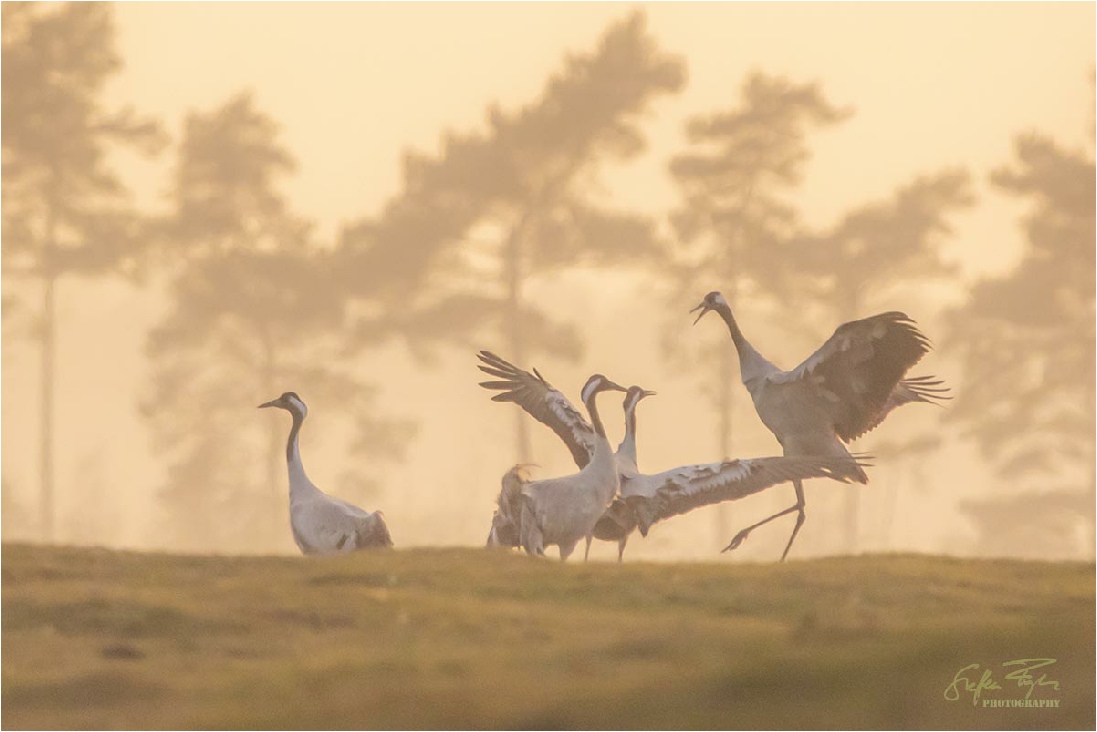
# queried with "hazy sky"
point(354, 85)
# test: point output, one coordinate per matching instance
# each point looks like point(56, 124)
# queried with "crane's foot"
point(742, 535)
point(739, 539)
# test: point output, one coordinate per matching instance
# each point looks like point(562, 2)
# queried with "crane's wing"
point(506, 522)
point(618, 520)
point(541, 401)
point(858, 368)
point(927, 389)
point(693, 486)
point(372, 532)
point(369, 530)
point(331, 525)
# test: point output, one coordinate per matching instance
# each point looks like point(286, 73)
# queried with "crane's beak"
point(271, 403)
point(646, 393)
point(614, 386)
point(704, 308)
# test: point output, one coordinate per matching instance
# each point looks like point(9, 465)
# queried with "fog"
point(371, 270)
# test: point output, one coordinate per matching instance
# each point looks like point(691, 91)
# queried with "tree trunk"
point(1091, 410)
point(275, 461)
point(1091, 533)
point(46, 375)
point(515, 333)
point(887, 521)
point(48, 335)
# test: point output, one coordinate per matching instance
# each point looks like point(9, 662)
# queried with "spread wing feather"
point(690, 487)
point(542, 401)
point(927, 389)
point(857, 370)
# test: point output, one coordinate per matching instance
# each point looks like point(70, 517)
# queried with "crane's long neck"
point(751, 363)
point(627, 449)
point(603, 462)
point(603, 453)
point(298, 481)
point(595, 419)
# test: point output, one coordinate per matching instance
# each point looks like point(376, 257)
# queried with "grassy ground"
point(463, 638)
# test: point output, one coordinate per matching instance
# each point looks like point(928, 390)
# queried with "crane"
point(547, 405)
point(644, 499)
point(323, 524)
point(840, 392)
point(555, 511)
point(505, 522)
point(619, 525)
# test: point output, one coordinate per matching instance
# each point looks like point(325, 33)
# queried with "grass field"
point(465, 638)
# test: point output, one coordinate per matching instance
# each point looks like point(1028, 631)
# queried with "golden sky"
point(354, 85)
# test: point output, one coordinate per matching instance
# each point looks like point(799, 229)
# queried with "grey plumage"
point(644, 499)
point(542, 401)
point(323, 524)
point(554, 511)
point(505, 522)
point(840, 392)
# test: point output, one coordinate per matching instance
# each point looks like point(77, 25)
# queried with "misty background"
point(205, 205)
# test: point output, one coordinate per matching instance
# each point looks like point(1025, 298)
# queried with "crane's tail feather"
point(373, 533)
point(928, 389)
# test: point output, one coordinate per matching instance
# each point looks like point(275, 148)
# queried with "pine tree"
point(253, 313)
point(516, 201)
point(65, 211)
point(1027, 342)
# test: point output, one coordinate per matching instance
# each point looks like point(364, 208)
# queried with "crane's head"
point(712, 301)
point(290, 402)
point(634, 395)
point(599, 383)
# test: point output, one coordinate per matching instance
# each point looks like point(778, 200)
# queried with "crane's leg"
point(799, 486)
point(586, 554)
point(799, 507)
point(621, 548)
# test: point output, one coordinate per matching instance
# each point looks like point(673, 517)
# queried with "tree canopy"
point(65, 211)
point(1027, 342)
point(517, 200)
point(251, 304)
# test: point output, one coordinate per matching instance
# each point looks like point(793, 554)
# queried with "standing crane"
point(843, 390)
point(547, 405)
point(644, 499)
point(561, 511)
point(323, 524)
